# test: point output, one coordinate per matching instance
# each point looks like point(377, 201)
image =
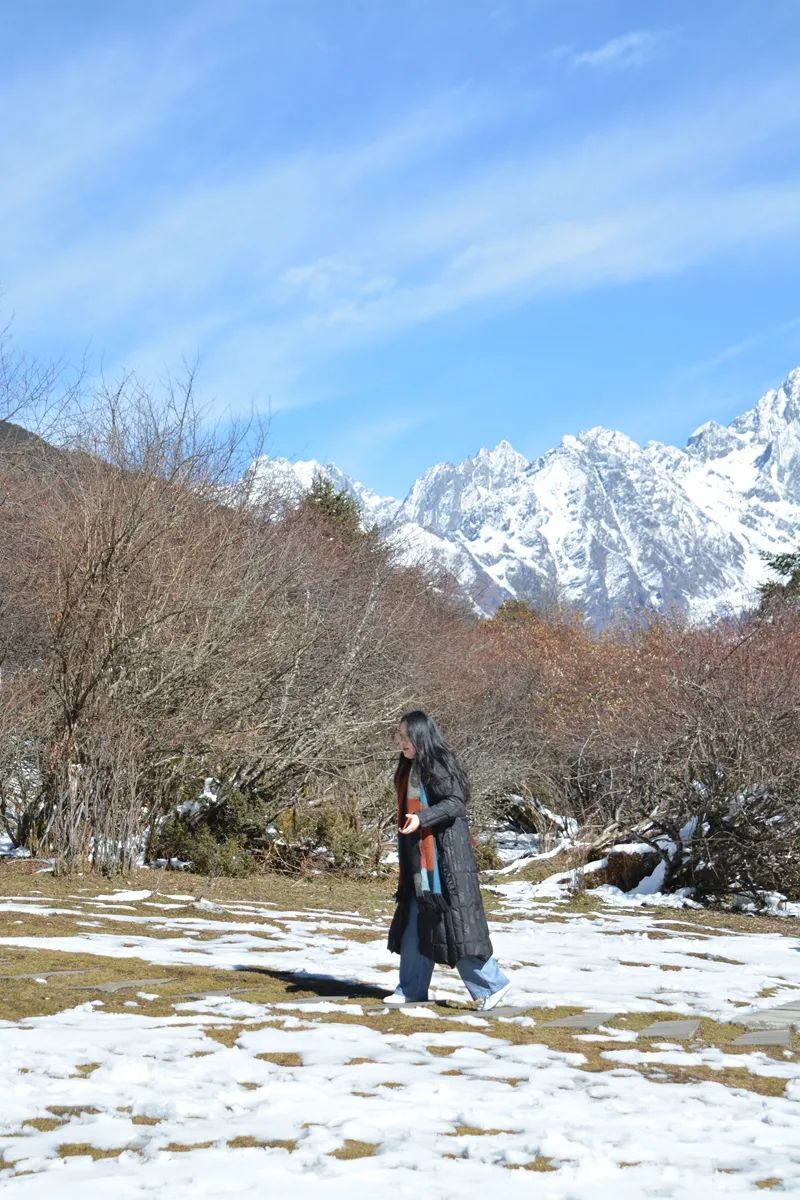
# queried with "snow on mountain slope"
point(292, 479)
point(603, 522)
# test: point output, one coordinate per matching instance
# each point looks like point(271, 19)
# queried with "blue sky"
point(409, 228)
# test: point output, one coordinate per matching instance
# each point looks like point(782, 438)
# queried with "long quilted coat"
point(462, 929)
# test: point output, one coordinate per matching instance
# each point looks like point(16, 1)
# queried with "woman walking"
point(439, 916)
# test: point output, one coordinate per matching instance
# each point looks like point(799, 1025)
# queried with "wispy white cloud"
point(640, 200)
point(634, 49)
point(321, 279)
point(298, 257)
point(261, 220)
point(372, 435)
point(361, 445)
point(69, 127)
point(747, 345)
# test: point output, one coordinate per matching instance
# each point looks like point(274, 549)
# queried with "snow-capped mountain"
point(602, 522)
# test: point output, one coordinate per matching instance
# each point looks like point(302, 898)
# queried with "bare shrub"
point(180, 627)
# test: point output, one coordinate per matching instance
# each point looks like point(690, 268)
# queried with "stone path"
point(769, 1026)
point(765, 1027)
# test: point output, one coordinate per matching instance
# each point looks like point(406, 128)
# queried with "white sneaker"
point(495, 998)
point(396, 999)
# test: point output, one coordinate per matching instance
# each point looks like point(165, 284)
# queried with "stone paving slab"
point(44, 974)
point(589, 1020)
point(781, 1017)
point(671, 1029)
point(765, 1037)
point(787, 1020)
point(122, 985)
point(501, 1010)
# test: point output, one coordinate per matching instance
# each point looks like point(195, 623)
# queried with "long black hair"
point(432, 750)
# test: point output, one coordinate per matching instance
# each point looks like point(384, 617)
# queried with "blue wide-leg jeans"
point(481, 976)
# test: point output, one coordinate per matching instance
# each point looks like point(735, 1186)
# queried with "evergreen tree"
point(785, 589)
point(336, 506)
point(515, 611)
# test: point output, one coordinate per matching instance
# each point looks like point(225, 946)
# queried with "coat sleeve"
point(446, 802)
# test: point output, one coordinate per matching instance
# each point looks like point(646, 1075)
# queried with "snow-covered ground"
point(8, 850)
point(448, 1101)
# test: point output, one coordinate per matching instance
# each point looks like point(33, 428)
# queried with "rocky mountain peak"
point(609, 441)
point(712, 440)
point(777, 409)
point(503, 458)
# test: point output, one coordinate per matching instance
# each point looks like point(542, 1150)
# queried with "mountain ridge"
point(600, 521)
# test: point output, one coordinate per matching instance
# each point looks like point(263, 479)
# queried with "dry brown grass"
point(84, 1069)
point(84, 1149)
point(355, 1149)
point(23, 998)
point(729, 1077)
point(712, 957)
point(339, 894)
point(282, 1059)
point(536, 872)
point(715, 921)
point(185, 1147)
point(72, 1110)
point(246, 1143)
point(476, 1131)
point(540, 1163)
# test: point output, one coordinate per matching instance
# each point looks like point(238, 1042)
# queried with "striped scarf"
point(417, 851)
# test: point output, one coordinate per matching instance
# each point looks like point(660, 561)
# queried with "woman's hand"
point(410, 824)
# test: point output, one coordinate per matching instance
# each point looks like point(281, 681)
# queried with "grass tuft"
point(85, 1150)
point(355, 1149)
point(540, 1163)
point(476, 1131)
point(185, 1147)
point(245, 1142)
point(71, 1110)
point(282, 1059)
point(84, 1069)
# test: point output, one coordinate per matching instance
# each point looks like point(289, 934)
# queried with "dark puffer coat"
point(461, 929)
